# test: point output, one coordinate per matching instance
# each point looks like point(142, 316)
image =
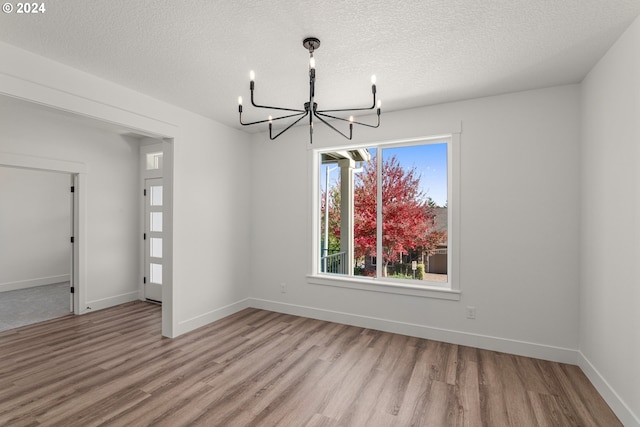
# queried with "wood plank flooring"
point(259, 368)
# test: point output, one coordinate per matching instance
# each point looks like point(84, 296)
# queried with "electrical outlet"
point(471, 313)
point(283, 288)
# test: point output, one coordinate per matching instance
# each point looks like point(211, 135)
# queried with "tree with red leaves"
point(408, 222)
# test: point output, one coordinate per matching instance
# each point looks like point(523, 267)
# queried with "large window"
point(384, 212)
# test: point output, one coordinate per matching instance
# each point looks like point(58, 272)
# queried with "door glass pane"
point(156, 221)
point(156, 247)
point(154, 161)
point(156, 195)
point(156, 273)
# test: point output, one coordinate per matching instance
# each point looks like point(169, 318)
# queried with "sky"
point(429, 160)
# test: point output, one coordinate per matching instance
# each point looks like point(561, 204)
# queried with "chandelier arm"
point(288, 127)
point(273, 108)
point(332, 127)
point(352, 109)
point(347, 120)
point(303, 114)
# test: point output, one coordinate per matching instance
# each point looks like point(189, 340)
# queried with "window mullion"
point(379, 255)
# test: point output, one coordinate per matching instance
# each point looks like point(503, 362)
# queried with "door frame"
point(147, 146)
point(78, 172)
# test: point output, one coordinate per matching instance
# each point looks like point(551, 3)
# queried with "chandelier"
point(310, 107)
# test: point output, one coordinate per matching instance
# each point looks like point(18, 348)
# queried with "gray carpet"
point(33, 305)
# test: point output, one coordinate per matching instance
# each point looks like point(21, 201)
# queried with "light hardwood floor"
point(262, 368)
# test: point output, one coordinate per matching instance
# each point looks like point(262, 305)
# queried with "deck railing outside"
point(334, 263)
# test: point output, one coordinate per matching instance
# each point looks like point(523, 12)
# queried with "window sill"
point(377, 285)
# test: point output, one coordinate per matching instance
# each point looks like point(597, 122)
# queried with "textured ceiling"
point(197, 54)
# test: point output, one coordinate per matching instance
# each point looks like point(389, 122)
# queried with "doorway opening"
point(91, 256)
point(36, 249)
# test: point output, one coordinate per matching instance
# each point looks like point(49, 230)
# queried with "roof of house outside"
point(442, 218)
point(358, 155)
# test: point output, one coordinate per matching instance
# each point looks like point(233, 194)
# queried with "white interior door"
point(153, 239)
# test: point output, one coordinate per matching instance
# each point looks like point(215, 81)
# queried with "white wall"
point(111, 194)
point(610, 267)
point(35, 225)
point(211, 228)
point(519, 198)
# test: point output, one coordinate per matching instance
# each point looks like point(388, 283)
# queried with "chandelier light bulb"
point(350, 119)
point(239, 100)
point(270, 119)
point(379, 103)
point(252, 75)
point(373, 79)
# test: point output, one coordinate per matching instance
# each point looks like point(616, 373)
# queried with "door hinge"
point(144, 280)
point(144, 192)
point(144, 236)
point(71, 239)
point(73, 189)
point(73, 290)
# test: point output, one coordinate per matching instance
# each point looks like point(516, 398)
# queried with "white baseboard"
point(32, 283)
point(523, 348)
point(111, 301)
point(188, 325)
point(619, 407)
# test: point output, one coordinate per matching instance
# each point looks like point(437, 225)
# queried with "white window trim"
point(386, 285)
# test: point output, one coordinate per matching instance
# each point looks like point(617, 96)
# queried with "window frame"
point(450, 290)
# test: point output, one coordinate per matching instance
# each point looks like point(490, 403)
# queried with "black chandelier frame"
point(311, 108)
